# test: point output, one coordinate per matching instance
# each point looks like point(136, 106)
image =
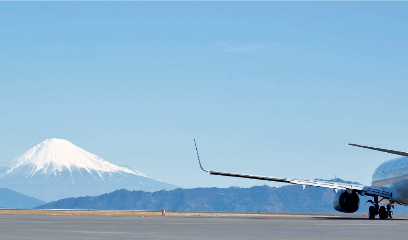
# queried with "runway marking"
point(173, 223)
point(23, 222)
point(358, 224)
point(73, 231)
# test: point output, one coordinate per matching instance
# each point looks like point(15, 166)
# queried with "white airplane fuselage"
point(393, 174)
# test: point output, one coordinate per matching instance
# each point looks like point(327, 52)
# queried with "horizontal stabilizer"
point(405, 154)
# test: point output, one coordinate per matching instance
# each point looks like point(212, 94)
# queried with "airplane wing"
point(363, 190)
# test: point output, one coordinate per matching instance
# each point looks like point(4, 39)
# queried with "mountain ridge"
point(56, 169)
point(16, 200)
point(288, 198)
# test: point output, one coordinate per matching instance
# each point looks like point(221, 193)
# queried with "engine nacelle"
point(344, 201)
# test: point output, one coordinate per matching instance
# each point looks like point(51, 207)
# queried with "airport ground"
point(39, 224)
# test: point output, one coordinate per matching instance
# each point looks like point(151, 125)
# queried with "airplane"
point(389, 182)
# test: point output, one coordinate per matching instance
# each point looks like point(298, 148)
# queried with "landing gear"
point(372, 212)
point(390, 213)
point(382, 212)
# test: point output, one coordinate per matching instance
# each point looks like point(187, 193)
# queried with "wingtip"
point(198, 157)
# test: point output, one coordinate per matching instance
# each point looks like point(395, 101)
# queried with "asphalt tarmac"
point(177, 227)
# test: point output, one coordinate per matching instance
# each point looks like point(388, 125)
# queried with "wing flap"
point(377, 191)
point(327, 184)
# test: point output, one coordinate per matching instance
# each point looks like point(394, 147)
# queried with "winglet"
point(199, 157)
point(405, 154)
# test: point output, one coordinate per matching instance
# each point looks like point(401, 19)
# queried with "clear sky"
point(266, 88)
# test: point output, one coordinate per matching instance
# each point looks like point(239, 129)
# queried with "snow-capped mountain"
point(53, 156)
point(56, 169)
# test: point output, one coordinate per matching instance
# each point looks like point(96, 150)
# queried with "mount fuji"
point(57, 169)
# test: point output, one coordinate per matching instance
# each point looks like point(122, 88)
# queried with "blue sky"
point(266, 88)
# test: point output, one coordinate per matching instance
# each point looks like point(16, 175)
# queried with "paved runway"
point(172, 227)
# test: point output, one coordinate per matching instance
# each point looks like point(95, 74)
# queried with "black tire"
point(382, 213)
point(372, 212)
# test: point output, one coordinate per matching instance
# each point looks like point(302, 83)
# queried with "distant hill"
point(290, 198)
point(12, 199)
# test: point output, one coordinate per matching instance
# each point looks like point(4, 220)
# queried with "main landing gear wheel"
point(382, 213)
point(389, 206)
point(372, 212)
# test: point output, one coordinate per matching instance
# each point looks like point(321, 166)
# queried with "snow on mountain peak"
point(55, 155)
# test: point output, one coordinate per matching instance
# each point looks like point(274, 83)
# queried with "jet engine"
point(344, 201)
